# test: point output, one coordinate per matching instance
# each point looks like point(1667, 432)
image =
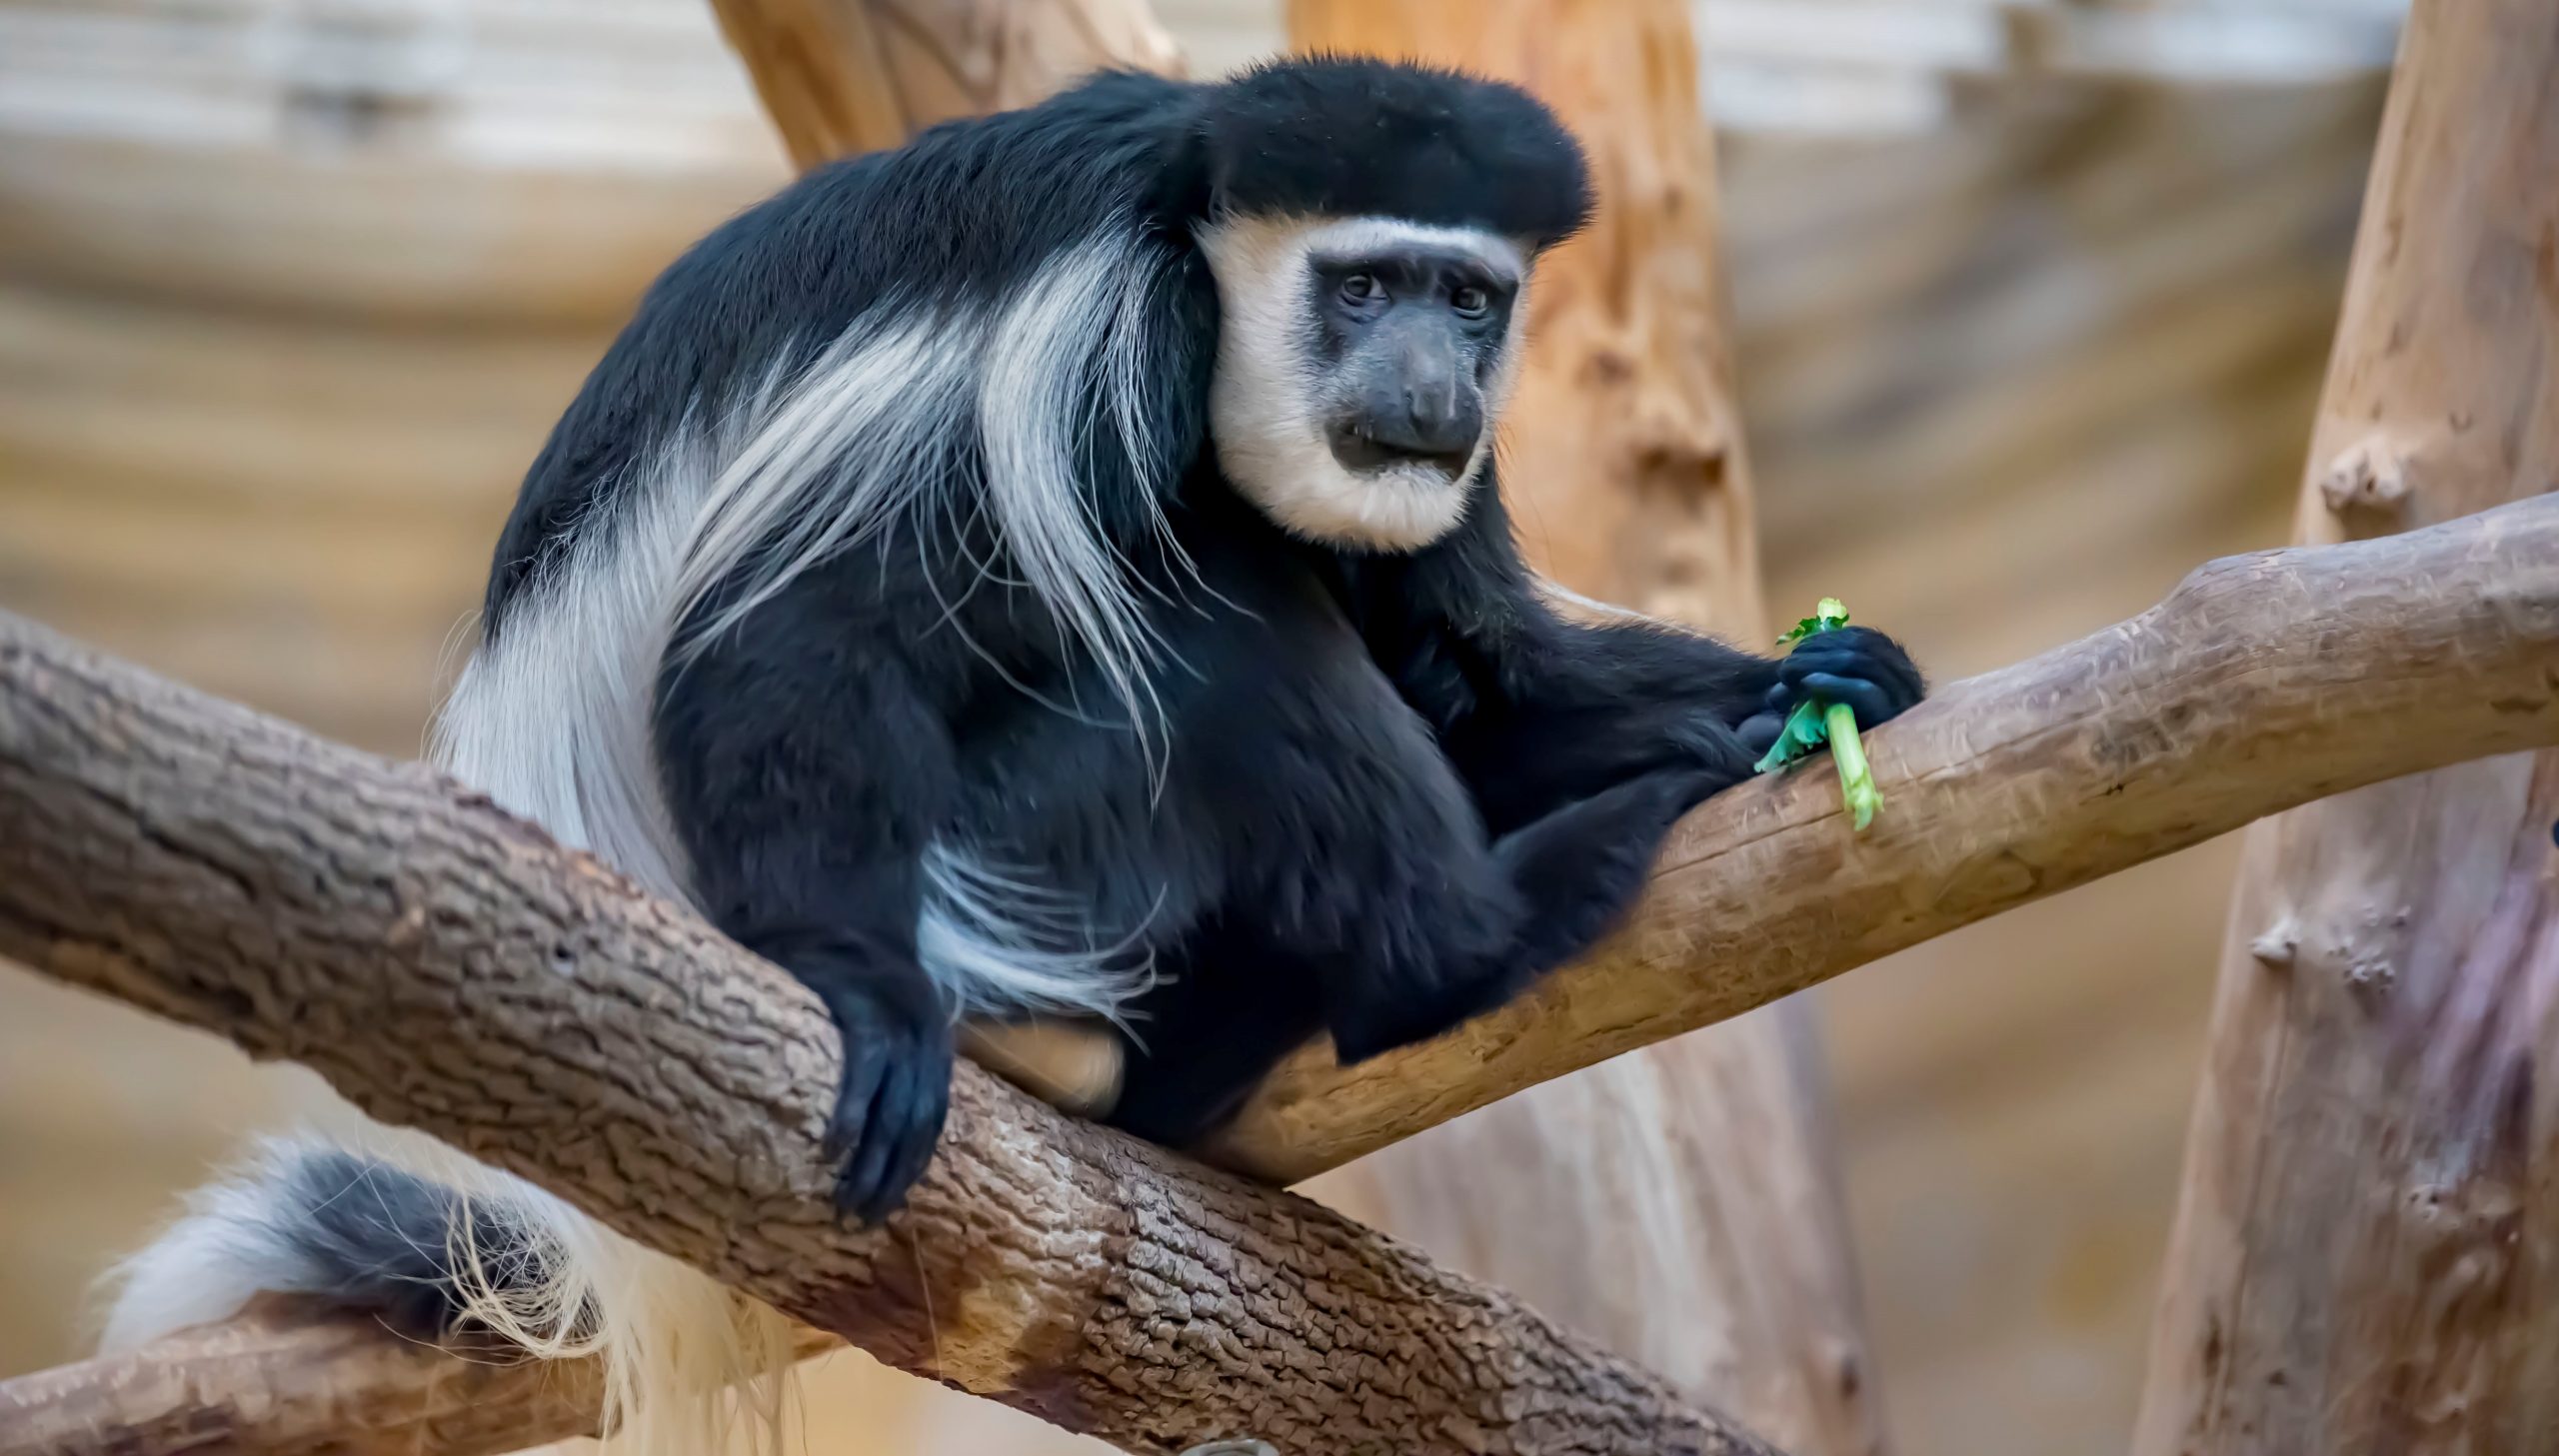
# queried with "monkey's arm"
point(1538, 711)
point(805, 774)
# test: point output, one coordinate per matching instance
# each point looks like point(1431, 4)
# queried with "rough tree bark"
point(2367, 1255)
point(1681, 1204)
point(447, 965)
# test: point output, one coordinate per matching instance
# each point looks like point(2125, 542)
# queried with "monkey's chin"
point(1393, 509)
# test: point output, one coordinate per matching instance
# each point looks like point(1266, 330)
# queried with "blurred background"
point(2032, 301)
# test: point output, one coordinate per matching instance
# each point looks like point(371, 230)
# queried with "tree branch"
point(2263, 682)
point(447, 965)
point(290, 1381)
point(289, 1378)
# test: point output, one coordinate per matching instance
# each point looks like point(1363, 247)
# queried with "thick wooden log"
point(2363, 1258)
point(2263, 682)
point(1682, 1203)
point(447, 966)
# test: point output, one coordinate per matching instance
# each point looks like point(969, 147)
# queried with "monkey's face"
point(1362, 366)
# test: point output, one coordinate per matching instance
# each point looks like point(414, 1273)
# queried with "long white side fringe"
point(552, 720)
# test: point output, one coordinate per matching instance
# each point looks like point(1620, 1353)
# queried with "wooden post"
point(846, 76)
point(2364, 1254)
point(1681, 1204)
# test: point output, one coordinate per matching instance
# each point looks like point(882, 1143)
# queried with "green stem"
point(1856, 779)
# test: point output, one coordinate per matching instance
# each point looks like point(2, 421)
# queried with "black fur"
point(365, 1235)
point(1397, 789)
point(1351, 137)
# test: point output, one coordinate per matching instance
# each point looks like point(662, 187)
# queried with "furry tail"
point(434, 1244)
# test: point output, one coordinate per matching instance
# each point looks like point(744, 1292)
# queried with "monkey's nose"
point(1426, 418)
point(1442, 420)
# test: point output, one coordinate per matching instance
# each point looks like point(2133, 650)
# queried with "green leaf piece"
point(1828, 613)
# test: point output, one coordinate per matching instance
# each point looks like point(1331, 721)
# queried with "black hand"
point(1857, 665)
point(894, 1090)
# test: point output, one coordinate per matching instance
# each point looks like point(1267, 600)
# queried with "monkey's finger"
point(862, 1188)
point(1898, 692)
point(906, 1115)
point(1758, 733)
point(855, 1090)
point(922, 1133)
point(1868, 700)
point(1868, 654)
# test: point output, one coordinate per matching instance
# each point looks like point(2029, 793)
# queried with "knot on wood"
point(1605, 366)
point(2277, 946)
point(2368, 478)
point(1684, 450)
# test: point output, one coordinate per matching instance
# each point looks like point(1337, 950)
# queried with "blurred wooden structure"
point(283, 315)
point(2363, 1251)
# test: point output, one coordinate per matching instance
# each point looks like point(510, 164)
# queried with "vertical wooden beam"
point(1681, 1204)
point(2367, 1248)
point(844, 76)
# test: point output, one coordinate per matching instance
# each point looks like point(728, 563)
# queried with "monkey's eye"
point(1362, 288)
point(1469, 300)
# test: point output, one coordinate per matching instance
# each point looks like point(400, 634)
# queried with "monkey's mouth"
point(1365, 454)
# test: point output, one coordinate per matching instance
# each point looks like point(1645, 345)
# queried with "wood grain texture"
point(447, 966)
point(1680, 1205)
point(2364, 1252)
point(845, 76)
point(2264, 682)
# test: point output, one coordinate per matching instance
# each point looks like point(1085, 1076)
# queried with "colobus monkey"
point(1054, 568)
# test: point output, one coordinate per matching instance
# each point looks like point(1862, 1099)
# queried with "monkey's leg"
point(1351, 861)
point(1204, 1039)
point(1384, 960)
point(1577, 873)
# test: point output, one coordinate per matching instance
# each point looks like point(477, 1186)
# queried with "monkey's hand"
point(896, 1085)
point(1855, 665)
